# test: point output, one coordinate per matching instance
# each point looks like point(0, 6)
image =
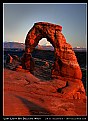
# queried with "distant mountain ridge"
point(40, 47)
point(22, 46)
point(14, 45)
point(43, 47)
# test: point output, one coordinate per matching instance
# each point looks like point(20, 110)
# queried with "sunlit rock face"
point(66, 72)
point(65, 64)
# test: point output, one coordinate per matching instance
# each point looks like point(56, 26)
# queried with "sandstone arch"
point(65, 64)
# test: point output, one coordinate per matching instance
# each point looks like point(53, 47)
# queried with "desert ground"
point(24, 95)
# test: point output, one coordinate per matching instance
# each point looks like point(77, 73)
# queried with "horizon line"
point(78, 47)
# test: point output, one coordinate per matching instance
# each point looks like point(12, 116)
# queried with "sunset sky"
point(18, 19)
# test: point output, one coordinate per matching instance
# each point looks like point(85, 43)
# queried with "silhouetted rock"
point(15, 57)
point(12, 62)
point(9, 59)
point(28, 62)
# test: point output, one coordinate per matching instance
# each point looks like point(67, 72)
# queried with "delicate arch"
point(65, 60)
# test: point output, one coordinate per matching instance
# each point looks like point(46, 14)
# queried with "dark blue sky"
point(19, 18)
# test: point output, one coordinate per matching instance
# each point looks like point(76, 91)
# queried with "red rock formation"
point(66, 62)
point(65, 66)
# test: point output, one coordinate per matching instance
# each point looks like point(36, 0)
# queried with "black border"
point(46, 118)
point(1, 72)
point(1, 59)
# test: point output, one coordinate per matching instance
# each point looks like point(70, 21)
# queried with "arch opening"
point(43, 55)
point(44, 42)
